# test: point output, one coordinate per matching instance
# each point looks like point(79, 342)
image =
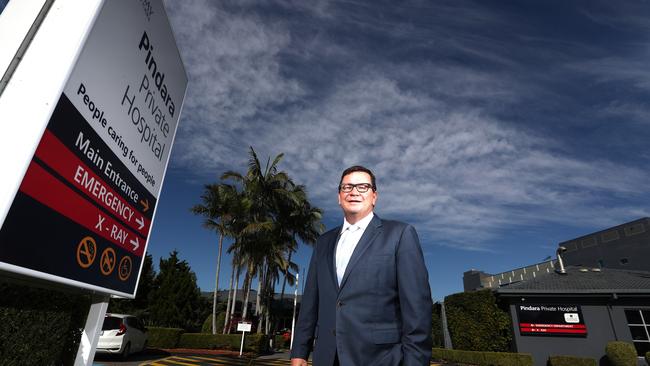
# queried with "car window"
point(111, 322)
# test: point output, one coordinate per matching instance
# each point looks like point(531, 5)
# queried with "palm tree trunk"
point(234, 298)
point(269, 298)
point(216, 287)
point(284, 282)
point(262, 279)
point(247, 288)
point(227, 319)
point(258, 299)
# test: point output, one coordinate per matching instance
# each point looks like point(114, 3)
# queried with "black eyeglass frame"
point(361, 187)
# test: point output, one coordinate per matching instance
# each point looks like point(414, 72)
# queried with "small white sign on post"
point(243, 327)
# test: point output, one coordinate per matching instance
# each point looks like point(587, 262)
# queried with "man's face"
point(354, 204)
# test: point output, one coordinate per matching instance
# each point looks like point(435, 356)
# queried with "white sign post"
point(295, 304)
point(243, 327)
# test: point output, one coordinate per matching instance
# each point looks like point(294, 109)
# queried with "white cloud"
point(459, 173)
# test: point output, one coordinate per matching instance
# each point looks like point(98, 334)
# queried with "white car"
point(122, 334)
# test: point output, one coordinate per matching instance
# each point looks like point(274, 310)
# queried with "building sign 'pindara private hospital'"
point(159, 105)
point(94, 180)
point(551, 319)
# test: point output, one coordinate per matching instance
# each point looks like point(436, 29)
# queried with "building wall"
point(600, 329)
point(625, 246)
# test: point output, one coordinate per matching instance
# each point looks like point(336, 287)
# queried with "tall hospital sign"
point(88, 119)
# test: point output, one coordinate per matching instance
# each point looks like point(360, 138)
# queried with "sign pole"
point(92, 330)
point(241, 349)
point(243, 327)
point(295, 304)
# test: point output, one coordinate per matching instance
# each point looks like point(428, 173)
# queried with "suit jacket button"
point(339, 304)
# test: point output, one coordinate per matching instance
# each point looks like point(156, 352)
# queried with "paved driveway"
point(202, 359)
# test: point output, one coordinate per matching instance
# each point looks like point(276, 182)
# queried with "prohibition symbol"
point(124, 270)
point(86, 252)
point(107, 263)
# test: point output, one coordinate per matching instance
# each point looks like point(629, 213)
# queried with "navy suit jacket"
point(381, 313)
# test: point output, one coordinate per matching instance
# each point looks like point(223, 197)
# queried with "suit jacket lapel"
point(371, 232)
point(331, 253)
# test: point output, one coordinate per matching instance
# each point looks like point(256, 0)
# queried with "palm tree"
point(217, 208)
point(304, 225)
point(277, 214)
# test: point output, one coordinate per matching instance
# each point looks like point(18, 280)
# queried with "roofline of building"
point(574, 292)
point(617, 227)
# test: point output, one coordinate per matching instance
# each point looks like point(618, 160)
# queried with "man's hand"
point(298, 362)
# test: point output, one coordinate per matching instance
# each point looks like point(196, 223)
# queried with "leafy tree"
point(476, 323)
point(138, 306)
point(176, 300)
point(219, 207)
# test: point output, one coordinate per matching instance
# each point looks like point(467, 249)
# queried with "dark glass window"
point(642, 348)
point(646, 315)
point(638, 321)
point(633, 317)
point(111, 322)
point(638, 333)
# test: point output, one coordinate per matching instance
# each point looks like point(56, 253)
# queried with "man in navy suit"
point(367, 300)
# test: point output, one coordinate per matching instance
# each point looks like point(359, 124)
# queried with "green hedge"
point(621, 353)
point(483, 358)
point(476, 323)
point(256, 343)
point(571, 361)
point(647, 357)
point(40, 327)
point(164, 337)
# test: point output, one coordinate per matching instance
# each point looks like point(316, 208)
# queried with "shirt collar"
point(362, 224)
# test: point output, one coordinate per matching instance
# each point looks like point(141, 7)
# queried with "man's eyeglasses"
point(361, 187)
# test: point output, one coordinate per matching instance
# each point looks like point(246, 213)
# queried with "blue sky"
point(497, 129)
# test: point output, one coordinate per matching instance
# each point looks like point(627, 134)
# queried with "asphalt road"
point(160, 358)
point(200, 358)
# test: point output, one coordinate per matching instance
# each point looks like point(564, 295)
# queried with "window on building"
point(638, 320)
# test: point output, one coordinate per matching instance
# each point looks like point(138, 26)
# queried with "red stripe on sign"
point(46, 189)
point(553, 330)
point(568, 326)
point(56, 155)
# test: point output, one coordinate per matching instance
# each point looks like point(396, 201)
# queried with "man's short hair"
point(359, 168)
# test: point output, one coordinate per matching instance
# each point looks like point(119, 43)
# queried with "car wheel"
point(126, 351)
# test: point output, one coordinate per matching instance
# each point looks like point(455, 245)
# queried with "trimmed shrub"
point(647, 357)
point(256, 343)
point(476, 323)
point(164, 337)
point(207, 324)
point(507, 359)
point(483, 358)
point(40, 327)
point(571, 361)
point(621, 353)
